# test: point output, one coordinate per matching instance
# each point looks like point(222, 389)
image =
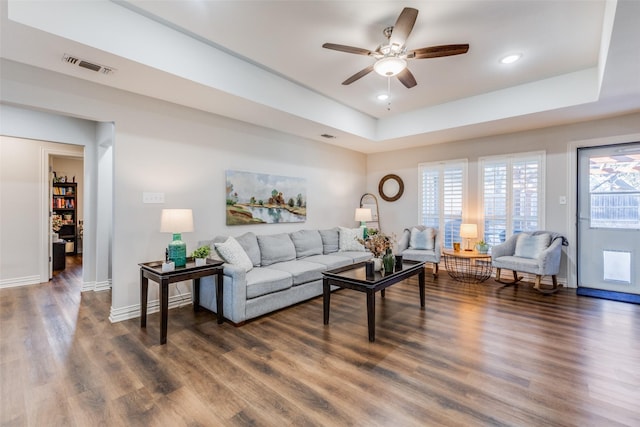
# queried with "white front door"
point(609, 221)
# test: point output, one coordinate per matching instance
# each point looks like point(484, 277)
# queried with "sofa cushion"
point(421, 255)
point(307, 243)
point(249, 243)
point(331, 261)
point(302, 271)
point(232, 253)
point(356, 256)
point(528, 246)
point(422, 239)
point(263, 281)
point(330, 240)
point(349, 239)
point(276, 248)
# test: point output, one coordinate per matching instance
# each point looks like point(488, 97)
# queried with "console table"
point(153, 271)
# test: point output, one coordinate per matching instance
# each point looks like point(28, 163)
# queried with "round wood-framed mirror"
point(391, 187)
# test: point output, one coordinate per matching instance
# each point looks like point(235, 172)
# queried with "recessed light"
point(510, 59)
point(383, 97)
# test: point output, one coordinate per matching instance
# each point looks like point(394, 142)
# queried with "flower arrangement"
point(56, 223)
point(377, 242)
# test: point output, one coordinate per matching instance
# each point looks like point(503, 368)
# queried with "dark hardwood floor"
point(476, 355)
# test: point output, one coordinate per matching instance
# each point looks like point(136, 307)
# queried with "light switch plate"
point(563, 200)
point(149, 197)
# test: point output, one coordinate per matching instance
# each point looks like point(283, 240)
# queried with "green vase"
point(178, 251)
point(388, 261)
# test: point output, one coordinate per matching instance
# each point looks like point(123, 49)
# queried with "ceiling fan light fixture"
point(383, 97)
point(389, 66)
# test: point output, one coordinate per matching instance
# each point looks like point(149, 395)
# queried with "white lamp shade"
point(468, 231)
point(363, 214)
point(176, 221)
point(389, 66)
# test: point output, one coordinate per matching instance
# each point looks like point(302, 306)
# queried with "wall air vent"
point(326, 135)
point(73, 60)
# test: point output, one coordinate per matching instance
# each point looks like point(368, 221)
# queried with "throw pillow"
point(530, 246)
point(276, 248)
point(232, 253)
point(348, 239)
point(422, 239)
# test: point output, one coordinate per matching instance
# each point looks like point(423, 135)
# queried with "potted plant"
point(200, 255)
point(482, 247)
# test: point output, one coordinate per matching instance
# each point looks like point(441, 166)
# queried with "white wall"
point(395, 216)
point(183, 153)
point(24, 202)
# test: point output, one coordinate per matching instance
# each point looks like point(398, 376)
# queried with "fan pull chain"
point(389, 93)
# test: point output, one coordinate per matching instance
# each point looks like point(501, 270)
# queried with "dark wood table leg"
point(326, 300)
point(382, 293)
point(421, 286)
point(371, 315)
point(164, 309)
point(219, 294)
point(144, 288)
point(196, 294)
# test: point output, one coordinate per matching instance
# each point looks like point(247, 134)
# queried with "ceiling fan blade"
point(403, 26)
point(358, 75)
point(438, 51)
point(407, 79)
point(347, 49)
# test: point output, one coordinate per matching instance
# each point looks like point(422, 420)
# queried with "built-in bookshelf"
point(63, 205)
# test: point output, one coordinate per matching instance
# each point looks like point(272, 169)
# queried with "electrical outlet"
point(148, 197)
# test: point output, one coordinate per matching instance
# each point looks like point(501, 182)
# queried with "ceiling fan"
point(391, 58)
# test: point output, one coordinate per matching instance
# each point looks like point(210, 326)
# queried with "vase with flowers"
point(378, 244)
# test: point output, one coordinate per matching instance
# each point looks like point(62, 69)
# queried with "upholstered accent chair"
point(420, 243)
point(536, 252)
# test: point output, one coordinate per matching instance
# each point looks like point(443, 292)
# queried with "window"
point(513, 194)
point(442, 196)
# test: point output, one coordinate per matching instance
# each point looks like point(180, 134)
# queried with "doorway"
point(608, 211)
point(66, 189)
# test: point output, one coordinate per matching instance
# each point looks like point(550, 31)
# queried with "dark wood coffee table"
point(354, 277)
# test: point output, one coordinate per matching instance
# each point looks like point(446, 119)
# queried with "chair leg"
point(536, 285)
point(515, 280)
point(553, 290)
point(435, 270)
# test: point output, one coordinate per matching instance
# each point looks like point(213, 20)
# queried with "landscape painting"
point(255, 198)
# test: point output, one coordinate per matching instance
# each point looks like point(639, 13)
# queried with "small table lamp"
point(363, 215)
point(468, 231)
point(177, 221)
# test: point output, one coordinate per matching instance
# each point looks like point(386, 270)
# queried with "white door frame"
point(572, 185)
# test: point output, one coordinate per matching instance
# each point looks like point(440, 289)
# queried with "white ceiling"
point(263, 61)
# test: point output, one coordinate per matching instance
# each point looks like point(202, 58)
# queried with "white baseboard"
point(526, 277)
point(133, 311)
point(102, 286)
point(88, 286)
point(19, 281)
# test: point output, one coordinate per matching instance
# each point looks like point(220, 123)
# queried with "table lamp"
point(468, 231)
point(363, 215)
point(177, 221)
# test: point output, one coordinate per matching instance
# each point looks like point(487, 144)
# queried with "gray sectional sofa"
point(285, 269)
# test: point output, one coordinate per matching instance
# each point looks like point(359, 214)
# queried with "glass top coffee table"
point(355, 277)
point(467, 266)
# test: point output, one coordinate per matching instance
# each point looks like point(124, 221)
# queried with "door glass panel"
point(614, 187)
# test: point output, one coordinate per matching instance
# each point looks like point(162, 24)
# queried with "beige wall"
point(555, 141)
point(162, 147)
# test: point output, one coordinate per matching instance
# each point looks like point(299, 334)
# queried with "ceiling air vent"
point(86, 64)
